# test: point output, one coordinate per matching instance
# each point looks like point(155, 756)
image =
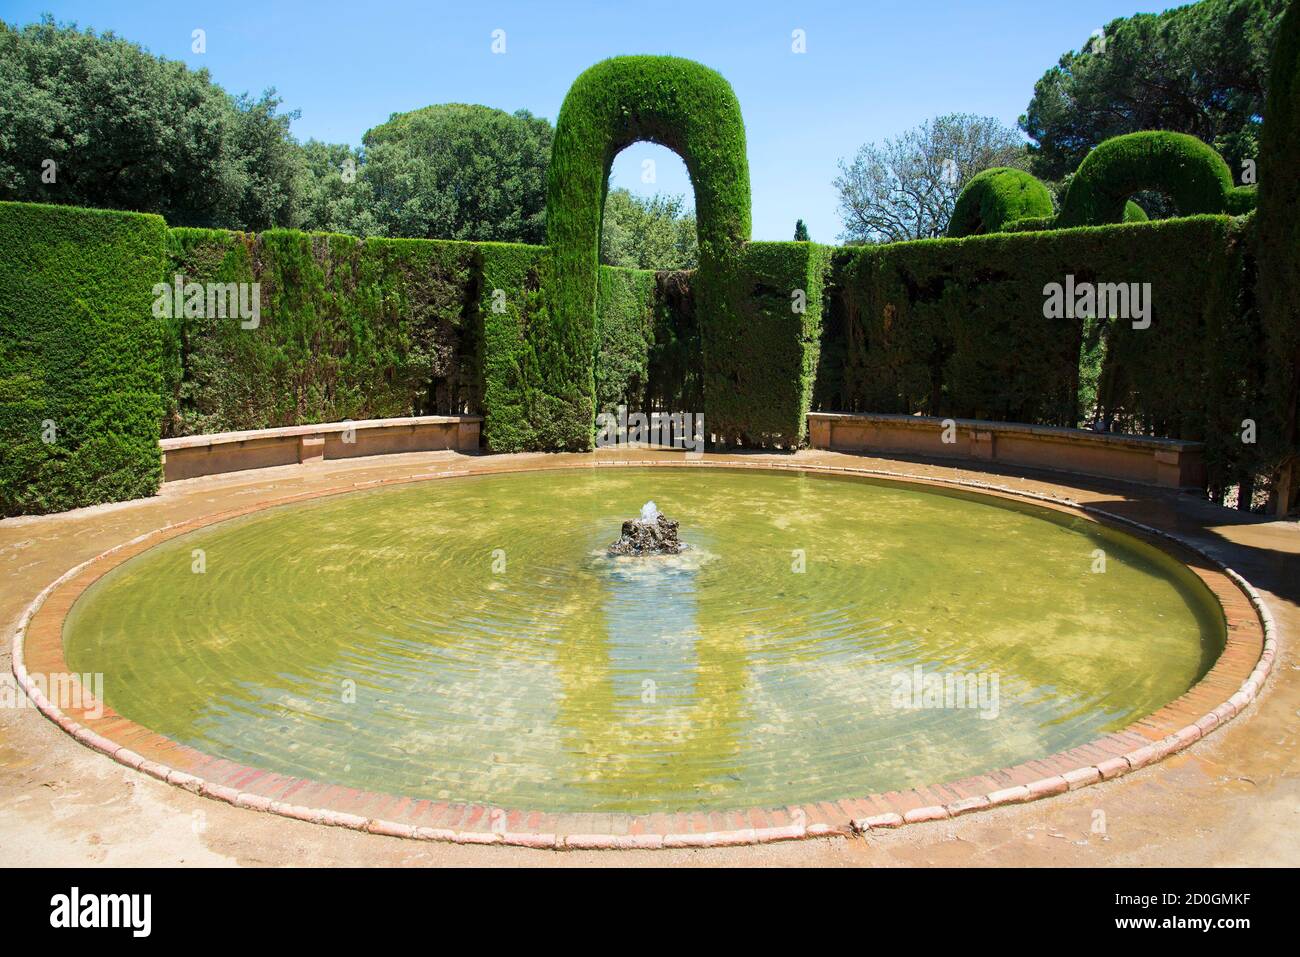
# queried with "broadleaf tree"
point(905, 188)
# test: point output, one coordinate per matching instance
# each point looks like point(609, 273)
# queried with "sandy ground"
point(1230, 800)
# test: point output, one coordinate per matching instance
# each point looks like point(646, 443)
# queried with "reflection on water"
point(472, 640)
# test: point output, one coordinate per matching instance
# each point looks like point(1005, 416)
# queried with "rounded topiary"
point(997, 197)
point(676, 103)
point(1278, 243)
point(1191, 173)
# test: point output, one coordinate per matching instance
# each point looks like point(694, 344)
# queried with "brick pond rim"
point(1233, 682)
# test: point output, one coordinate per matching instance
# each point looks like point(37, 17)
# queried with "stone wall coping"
point(1060, 433)
point(292, 431)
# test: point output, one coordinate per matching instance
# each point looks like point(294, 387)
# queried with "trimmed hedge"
point(996, 198)
point(1279, 247)
point(538, 339)
point(349, 329)
point(81, 352)
point(375, 328)
point(1189, 171)
point(512, 308)
point(956, 327)
point(364, 329)
point(774, 348)
point(691, 110)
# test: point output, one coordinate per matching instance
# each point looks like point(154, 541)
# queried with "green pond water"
point(469, 639)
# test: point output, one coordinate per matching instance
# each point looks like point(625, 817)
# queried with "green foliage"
point(956, 328)
point(457, 171)
point(1279, 245)
point(647, 233)
point(692, 110)
point(800, 232)
point(774, 345)
point(1195, 373)
point(334, 195)
point(906, 188)
point(349, 329)
point(1191, 173)
point(1198, 69)
point(1242, 200)
point(512, 308)
point(1030, 224)
point(1133, 213)
point(997, 197)
point(625, 332)
point(81, 353)
point(128, 130)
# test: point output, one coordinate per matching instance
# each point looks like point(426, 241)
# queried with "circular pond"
point(472, 640)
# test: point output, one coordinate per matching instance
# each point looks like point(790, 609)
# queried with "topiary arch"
point(1192, 173)
point(997, 197)
point(693, 111)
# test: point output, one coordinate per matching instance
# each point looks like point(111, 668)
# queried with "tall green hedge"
point(374, 328)
point(349, 329)
point(1279, 246)
point(691, 110)
point(956, 327)
point(80, 357)
point(773, 346)
point(512, 309)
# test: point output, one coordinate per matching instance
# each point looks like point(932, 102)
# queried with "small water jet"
point(653, 533)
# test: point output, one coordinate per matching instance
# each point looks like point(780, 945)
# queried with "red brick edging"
point(1228, 688)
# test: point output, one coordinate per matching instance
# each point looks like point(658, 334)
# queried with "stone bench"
point(1167, 463)
point(194, 455)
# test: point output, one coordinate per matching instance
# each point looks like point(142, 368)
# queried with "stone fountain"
point(652, 533)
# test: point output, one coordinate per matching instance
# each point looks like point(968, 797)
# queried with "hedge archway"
point(1189, 171)
point(676, 103)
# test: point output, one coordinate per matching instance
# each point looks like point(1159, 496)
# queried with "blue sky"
point(871, 70)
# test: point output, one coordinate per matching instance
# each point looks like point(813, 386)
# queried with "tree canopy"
point(1199, 69)
point(906, 188)
point(458, 171)
point(656, 232)
point(94, 120)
